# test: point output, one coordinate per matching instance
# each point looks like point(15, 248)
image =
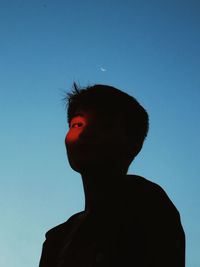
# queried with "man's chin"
point(93, 168)
point(86, 168)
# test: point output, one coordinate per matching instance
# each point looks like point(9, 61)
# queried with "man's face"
point(94, 142)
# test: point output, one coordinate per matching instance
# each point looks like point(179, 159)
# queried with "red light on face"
point(77, 125)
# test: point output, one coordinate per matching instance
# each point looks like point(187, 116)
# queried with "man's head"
point(107, 127)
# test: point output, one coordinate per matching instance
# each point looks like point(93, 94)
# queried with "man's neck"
point(102, 189)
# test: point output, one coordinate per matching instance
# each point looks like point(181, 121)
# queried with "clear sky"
point(149, 49)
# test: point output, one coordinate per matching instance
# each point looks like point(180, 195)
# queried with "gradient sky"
point(150, 49)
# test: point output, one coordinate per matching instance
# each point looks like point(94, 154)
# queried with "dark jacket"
point(141, 229)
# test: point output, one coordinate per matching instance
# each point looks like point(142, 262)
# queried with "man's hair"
point(112, 102)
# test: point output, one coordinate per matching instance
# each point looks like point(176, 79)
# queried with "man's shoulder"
point(148, 193)
point(140, 183)
point(60, 230)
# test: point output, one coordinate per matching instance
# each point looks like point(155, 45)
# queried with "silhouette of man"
point(128, 220)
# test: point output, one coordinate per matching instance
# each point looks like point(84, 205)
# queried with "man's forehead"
point(99, 115)
point(84, 113)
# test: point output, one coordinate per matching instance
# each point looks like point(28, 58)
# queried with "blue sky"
point(150, 49)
